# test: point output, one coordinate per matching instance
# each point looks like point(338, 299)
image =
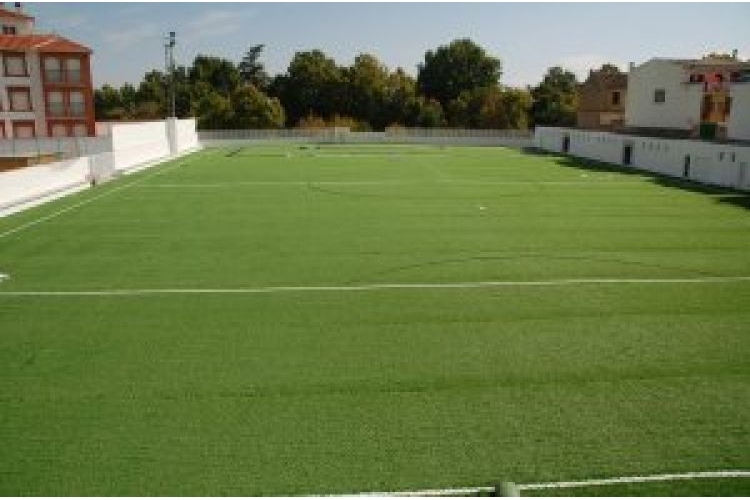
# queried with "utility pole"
point(169, 63)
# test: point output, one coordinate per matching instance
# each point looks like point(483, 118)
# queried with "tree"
point(555, 99)
point(251, 70)
point(313, 84)
point(455, 68)
point(107, 101)
point(213, 110)
point(251, 108)
point(220, 73)
point(368, 90)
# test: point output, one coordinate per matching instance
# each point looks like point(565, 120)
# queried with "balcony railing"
point(53, 75)
point(77, 109)
point(56, 109)
point(60, 76)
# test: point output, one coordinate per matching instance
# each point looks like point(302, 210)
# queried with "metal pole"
point(169, 63)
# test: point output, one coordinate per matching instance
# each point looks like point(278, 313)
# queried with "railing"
point(61, 76)
point(391, 135)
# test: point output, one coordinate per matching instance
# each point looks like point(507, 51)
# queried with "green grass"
point(381, 390)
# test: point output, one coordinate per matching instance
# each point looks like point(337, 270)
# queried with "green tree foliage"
point(252, 70)
point(456, 86)
point(313, 84)
point(458, 67)
point(555, 99)
point(251, 108)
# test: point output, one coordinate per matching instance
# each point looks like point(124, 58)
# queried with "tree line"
point(457, 85)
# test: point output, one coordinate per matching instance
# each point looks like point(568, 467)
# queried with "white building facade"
point(681, 95)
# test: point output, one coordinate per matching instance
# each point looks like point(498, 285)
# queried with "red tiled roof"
point(15, 15)
point(41, 43)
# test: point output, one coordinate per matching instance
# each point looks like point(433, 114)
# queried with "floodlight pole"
point(169, 64)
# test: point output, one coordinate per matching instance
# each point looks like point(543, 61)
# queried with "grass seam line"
point(372, 287)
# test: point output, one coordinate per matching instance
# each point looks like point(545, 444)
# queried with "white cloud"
point(581, 64)
point(218, 23)
point(128, 37)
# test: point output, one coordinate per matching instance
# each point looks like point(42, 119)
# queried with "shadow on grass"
point(720, 194)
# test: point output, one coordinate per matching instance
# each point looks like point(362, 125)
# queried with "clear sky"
point(527, 37)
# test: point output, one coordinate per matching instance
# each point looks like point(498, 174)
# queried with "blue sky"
point(527, 37)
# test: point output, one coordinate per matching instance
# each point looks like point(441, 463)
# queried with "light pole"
point(169, 63)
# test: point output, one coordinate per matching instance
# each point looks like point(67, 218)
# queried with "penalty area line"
point(684, 476)
point(375, 287)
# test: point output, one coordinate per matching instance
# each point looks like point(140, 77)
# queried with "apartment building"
point(45, 87)
point(705, 98)
point(601, 99)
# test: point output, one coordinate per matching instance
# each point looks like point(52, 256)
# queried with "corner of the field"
point(164, 159)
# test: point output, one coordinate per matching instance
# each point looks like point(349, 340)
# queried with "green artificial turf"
point(341, 391)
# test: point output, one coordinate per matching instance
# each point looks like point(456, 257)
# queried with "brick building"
point(45, 82)
point(601, 99)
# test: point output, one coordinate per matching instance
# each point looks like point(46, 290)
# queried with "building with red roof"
point(45, 82)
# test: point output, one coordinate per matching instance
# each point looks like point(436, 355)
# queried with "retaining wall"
point(726, 165)
point(126, 147)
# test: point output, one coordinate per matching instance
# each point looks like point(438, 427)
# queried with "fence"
point(726, 165)
point(514, 138)
point(126, 147)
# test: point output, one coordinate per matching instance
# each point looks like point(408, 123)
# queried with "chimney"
point(17, 5)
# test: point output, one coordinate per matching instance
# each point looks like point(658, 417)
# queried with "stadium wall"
point(726, 165)
point(343, 135)
point(125, 148)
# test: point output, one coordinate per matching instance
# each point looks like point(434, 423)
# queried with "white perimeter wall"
point(510, 138)
point(738, 126)
point(128, 146)
point(716, 164)
point(682, 106)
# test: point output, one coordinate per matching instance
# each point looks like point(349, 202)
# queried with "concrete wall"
point(22, 188)
point(682, 106)
point(511, 138)
point(738, 126)
point(716, 164)
point(128, 147)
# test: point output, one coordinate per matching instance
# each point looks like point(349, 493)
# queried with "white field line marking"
point(4, 277)
point(377, 183)
point(85, 202)
point(373, 287)
point(562, 484)
point(638, 479)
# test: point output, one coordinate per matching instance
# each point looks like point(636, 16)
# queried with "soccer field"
point(301, 319)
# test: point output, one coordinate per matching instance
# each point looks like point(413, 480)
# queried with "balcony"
point(60, 76)
point(56, 109)
point(77, 109)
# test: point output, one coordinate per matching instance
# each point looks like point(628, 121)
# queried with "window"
point(9, 30)
point(23, 129)
point(58, 130)
point(660, 95)
point(727, 104)
point(2, 129)
point(721, 156)
point(15, 65)
point(52, 69)
point(55, 104)
point(20, 98)
point(615, 98)
point(73, 70)
point(733, 157)
point(79, 130)
point(77, 106)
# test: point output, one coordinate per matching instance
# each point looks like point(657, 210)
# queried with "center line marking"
point(374, 287)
